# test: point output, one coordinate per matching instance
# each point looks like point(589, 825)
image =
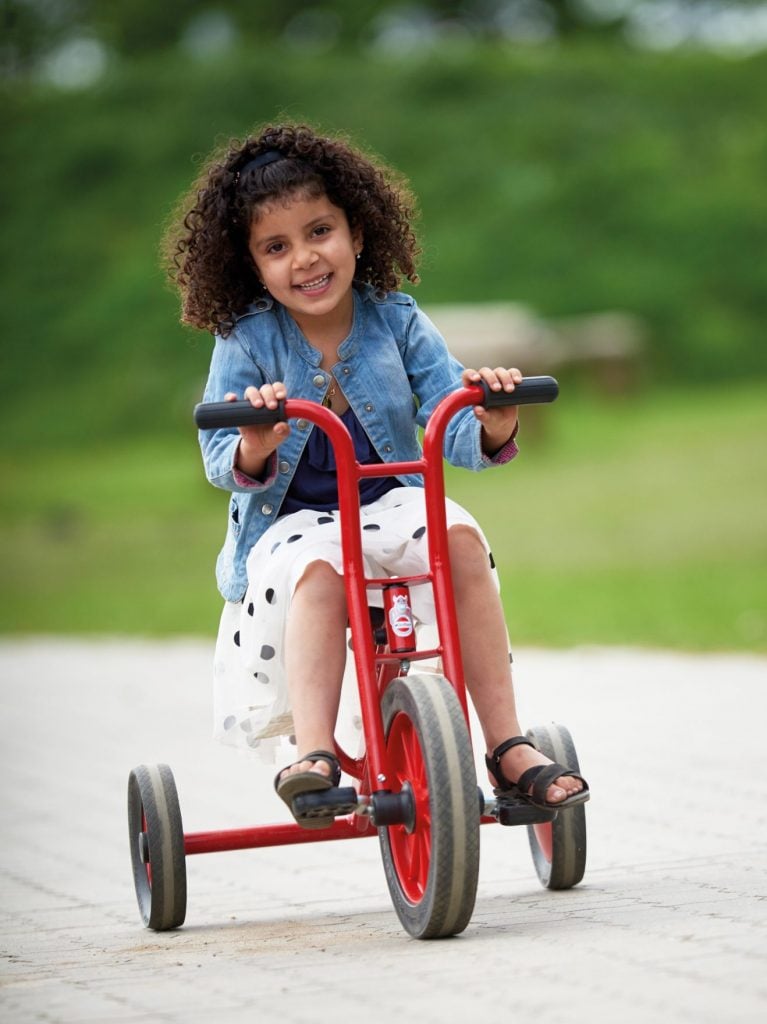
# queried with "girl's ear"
point(358, 241)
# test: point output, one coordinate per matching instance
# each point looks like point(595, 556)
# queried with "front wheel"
point(559, 846)
point(157, 846)
point(432, 860)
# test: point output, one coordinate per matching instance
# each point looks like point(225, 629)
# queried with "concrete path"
point(669, 925)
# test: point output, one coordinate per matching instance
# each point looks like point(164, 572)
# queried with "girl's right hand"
point(258, 442)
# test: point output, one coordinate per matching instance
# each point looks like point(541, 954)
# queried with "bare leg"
point(315, 655)
point(484, 647)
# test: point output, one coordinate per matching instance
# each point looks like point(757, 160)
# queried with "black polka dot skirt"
point(251, 708)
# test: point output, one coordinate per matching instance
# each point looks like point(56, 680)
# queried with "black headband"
point(269, 157)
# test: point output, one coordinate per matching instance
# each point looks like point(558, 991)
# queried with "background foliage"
point(576, 175)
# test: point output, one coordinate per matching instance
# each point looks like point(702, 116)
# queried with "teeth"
point(314, 284)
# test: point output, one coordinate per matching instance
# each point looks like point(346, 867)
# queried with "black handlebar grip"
point(214, 415)
point(529, 391)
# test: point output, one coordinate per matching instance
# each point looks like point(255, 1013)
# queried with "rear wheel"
point(432, 860)
point(157, 846)
point(559, 846)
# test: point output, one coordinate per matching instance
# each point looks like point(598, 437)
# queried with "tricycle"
point(415, 784)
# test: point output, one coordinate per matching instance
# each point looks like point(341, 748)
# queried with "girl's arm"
point(499, 425)
point(257, 443)
point(232, 372)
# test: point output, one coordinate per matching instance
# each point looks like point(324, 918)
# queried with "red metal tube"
point(288, 834)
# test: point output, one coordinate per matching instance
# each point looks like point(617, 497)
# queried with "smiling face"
point(305, 254)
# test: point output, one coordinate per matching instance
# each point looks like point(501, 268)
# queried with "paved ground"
point(670, 924)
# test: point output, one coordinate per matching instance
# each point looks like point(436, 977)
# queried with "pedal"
point(513, 811)
point(325, 803)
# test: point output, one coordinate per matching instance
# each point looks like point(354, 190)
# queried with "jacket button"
point(302, 424)
point(388, 448)
point(346, 371)
point(284, 467)
point(319, 380)
point(369, 407)
point(267, 509)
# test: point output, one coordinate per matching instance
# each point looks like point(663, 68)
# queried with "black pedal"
point(336, 801)
point(511, 811)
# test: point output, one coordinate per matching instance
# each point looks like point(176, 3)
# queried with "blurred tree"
point(32, 29)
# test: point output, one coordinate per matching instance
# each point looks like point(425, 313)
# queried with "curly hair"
point(206, 247)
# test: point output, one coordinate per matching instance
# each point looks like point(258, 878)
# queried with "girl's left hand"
point(498, 424)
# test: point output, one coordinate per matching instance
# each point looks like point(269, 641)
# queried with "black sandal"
point(288, 787)
point(536, 779)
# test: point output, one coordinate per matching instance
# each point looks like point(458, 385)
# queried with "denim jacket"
point(393, 368)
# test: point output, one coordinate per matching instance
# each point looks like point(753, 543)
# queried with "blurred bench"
point(604, 348)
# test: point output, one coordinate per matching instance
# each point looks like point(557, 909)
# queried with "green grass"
point(636, 521)
point(640, 523)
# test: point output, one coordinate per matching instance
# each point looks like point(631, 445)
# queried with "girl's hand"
point(498, 424)
point(258, 442)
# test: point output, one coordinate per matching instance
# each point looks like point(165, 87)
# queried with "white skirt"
point(250, 706)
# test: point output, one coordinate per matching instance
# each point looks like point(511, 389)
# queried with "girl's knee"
point(322, 583)
point(465, 541)
point(467, 550)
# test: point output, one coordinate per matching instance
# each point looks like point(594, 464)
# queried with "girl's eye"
point(321, 230)
point(275, 248)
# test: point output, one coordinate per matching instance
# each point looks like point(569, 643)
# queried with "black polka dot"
point(245, 725)
point(267, 652)
point(237, 638)
point(492, 560)
point(295, 537)
point(261, 677)
point(251, 608)
point(275, 546)
point(270, 596)
point(292, 739)
point(229, 721)
point(325, 519)
point(419, 532)
point(253, 742)
point(371, 526)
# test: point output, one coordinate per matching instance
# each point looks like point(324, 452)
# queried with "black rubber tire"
point(431, 864)
point(559, 847)
point(154, 827)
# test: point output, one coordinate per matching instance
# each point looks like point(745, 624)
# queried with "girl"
point(290, 251)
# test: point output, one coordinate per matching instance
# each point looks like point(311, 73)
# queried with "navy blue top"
point(314, 483)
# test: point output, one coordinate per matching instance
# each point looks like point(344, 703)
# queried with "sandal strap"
point(515, 741)
point(314, 756)
point(540, 777)
point(329, 758)
point(494, 761)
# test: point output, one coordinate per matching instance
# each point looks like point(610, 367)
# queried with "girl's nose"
point(304, 257)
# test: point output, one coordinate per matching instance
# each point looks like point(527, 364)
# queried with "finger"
point(253, 395)
point(230, 397)
point(469, 377)
point(271, 395)
point(505, 379)
point(490, 377)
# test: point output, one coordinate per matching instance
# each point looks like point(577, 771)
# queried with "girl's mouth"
point(316, 285)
